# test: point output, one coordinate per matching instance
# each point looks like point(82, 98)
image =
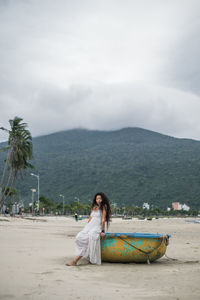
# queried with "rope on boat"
point(165, 239)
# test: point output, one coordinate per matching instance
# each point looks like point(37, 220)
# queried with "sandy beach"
point(33, 254)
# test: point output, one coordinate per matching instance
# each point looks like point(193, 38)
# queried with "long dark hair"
point(104, 204)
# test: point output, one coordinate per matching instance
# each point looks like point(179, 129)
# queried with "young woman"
point(87, 242)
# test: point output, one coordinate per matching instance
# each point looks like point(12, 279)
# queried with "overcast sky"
point(101, 64)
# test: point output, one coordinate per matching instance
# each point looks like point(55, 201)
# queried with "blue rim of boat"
point(136, 235)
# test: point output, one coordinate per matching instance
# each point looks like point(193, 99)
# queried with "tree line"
point(50, 207)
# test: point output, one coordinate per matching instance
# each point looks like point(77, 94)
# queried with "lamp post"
point(38, 202)
point(33, 191)
point(124, 208)
point(78, 200)
point(63, 201)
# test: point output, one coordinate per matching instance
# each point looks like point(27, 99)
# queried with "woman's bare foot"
point(89, 262)
point(72, 263)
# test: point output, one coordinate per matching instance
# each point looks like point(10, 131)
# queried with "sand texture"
point(33, 253)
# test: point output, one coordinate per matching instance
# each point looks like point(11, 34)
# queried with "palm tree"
point(11, 192)
point(19, 152)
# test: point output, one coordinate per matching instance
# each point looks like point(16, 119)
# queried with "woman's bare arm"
point(90, 217)
point(103, 219)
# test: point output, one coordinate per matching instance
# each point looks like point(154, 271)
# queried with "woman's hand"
point(102, 234)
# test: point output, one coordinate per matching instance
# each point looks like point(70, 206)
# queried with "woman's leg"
point(74, 262)
point(81, 244)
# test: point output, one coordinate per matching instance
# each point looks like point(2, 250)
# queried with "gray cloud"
point(100, 65)
point(112, 106)
point(183, 65)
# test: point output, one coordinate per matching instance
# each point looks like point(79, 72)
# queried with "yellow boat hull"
point(133, 247)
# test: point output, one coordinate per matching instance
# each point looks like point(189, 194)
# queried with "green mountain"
point(130, 165)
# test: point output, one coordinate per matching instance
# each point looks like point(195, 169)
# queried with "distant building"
point(15, 208)
point(185, 207)
point(176, 206)
point(179, 206)
point(3, 209)
point(145, 206)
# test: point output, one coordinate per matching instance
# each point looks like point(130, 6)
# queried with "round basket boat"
point(133, 247)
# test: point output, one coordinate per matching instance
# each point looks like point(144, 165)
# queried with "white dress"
point(87, 242)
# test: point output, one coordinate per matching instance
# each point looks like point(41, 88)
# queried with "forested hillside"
point(131, 166)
